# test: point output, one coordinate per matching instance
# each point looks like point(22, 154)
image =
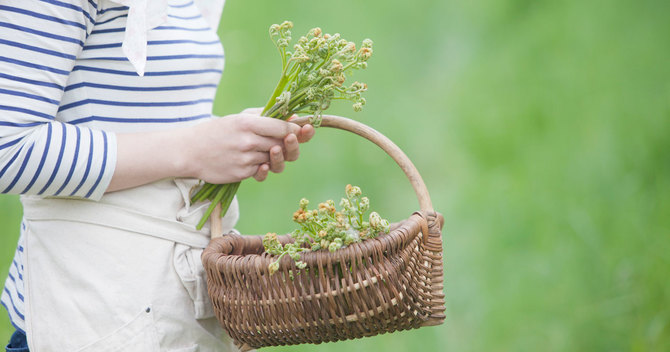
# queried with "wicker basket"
point(389, 283)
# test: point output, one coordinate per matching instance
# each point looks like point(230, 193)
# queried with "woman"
point(105, 128)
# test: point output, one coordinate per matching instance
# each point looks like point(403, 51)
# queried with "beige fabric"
point(122, 274)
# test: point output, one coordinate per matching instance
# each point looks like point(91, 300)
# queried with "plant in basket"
point(326, 228)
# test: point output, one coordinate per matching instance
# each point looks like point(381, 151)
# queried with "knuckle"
point(244, 173)
point(248, 159)
point(244, 124)
point(247, 143)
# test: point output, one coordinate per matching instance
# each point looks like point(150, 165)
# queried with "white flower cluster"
point(327, 228)
point(314, 73)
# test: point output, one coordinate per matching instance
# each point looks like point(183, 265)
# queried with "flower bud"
point(301, 58)
point(304, 203)
point(287, 25)
point(324, 73)
point(334, 246)
point(385, 226)
point(358, 87)
point(271, 243)
point(367, 43)
point(316, 31)
point(365, 53)
point(271, 237)
point(301, 265)
point(351, 237)
point(364, 205)
point(339, 79)
point(345, 204)
point(282, 42)
point(273, 267)
point(375, 220)
point(358, 107)
point(352, 191)
point(299, 215)
point(336, 66)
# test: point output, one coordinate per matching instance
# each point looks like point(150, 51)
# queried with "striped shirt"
point(66, 89)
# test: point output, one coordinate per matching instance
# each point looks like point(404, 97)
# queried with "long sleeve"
point(39, 43)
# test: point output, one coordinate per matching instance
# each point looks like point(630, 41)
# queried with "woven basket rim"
point(366, 248)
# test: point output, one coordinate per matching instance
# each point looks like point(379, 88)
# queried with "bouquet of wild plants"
point(313, 74)
point(327, 228)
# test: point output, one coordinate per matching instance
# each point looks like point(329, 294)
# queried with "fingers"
point(262, 172)
point(278, 140)
point(268, 127)
point(291, 148)
point(256, 158)
point(276, 159)
point(259, 143)
point(306, 133)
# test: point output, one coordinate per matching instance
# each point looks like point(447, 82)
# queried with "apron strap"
point(86, 211)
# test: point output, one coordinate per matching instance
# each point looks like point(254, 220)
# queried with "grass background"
point(542, 130)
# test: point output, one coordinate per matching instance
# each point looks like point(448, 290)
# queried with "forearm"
point(150, 156)
point(219, 151)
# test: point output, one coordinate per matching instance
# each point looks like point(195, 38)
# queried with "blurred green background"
point(542, 130)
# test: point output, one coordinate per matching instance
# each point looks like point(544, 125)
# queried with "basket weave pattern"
point(388, 283)
point(392, 282)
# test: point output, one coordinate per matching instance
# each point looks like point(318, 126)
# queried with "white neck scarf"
point(145, 15)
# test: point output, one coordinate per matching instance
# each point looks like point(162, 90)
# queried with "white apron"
point(122, 274)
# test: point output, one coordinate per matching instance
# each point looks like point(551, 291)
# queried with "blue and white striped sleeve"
point(39, 42)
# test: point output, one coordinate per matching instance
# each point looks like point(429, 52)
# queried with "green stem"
point(217, 198)
point(228, 197)
point(278, 89)
point(204, 192)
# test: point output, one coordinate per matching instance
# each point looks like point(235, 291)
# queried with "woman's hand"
point(245, 145)
point(221, 150)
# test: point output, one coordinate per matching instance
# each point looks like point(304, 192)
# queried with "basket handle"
point(375, 137)
point(386, 145)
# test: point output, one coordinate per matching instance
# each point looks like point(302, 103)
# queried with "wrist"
point(180, 156)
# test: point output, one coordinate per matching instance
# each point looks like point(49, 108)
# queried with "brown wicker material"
point(389, 283)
